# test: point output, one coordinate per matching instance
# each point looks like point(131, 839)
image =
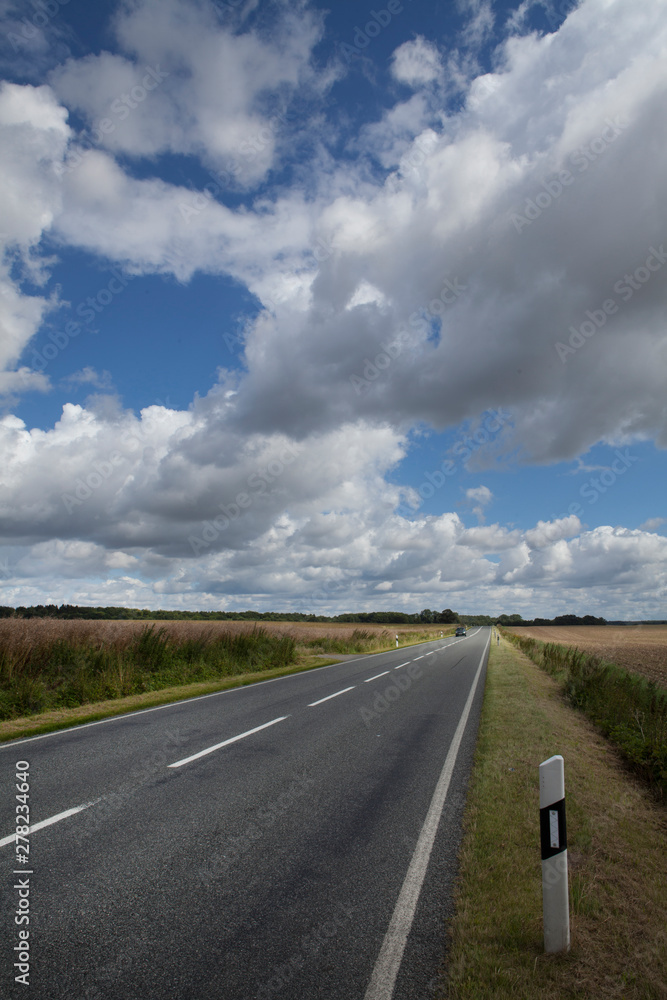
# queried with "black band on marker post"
point(553, 831)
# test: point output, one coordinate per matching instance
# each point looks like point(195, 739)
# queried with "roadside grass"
point(55, 673)
point(62, 718)
point(16, 725)
point(638, 648)
point(367, 641)
point(630, 709)
point(616, 852)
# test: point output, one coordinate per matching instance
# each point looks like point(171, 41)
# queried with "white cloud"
point(33, 139)
point(653, 524)
point(480, 21)
point(481, 495)
point(417, 62)
point(200, 517)
point(450, 214)
point(210, 89)
point(88, 376)
point(274, 525)
point(458, 291)
point(547, 533)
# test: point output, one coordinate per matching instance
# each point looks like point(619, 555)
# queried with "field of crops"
point(53, 664)
point(641, 648)
point(25, 633)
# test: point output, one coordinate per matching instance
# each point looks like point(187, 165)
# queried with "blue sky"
point(334, 309)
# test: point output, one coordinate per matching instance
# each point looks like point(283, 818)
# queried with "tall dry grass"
point(47, 664)
point(629, 709)
point(640, 648)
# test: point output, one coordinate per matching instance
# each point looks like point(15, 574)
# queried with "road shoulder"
point(618, 861)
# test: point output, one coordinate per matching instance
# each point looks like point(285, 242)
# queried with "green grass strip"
point(630, 710)
point(616, 848)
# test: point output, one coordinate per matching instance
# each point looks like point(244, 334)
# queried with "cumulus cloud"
point(508, 203)
point(480, 497)
point(530, 259)
point(150, 511)
point(416, 62)
point(482, 269)
point(190, 84)
point(88, 376)
point(546, 533)
point(652, 524)
point(33, 139)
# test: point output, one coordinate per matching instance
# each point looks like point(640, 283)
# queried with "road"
point(293, 839)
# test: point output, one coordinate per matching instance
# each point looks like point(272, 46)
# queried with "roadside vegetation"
point(55, 673)
point(44, 671)
point(641, 649)
point(616, 854)
point(630, 710)
point(366, 641)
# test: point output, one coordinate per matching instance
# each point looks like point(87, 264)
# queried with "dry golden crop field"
point(31, 632)
point(642, 648)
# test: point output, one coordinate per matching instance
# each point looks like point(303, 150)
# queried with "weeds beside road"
point(641, 649)
point(616, 852)
point(59, 673)
point(630, 710)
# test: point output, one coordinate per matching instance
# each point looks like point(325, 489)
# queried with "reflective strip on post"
point(553, 840)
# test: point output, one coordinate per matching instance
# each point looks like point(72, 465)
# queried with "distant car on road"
point(461, 630)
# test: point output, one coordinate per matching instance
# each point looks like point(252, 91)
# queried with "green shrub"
point(63, 674)
point(630, 710)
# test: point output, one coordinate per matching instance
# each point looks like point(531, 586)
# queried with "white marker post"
point(396, 642)
point(553, 838)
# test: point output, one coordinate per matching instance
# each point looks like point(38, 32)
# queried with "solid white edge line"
point(202, 753)
point(376, 676)
point(383, 979)
point(48, 822)
point(335, 695)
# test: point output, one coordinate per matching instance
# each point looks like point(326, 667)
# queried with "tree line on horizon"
point(425, 617)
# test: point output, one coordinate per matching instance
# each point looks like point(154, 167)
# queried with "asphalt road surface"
point(289, 840)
